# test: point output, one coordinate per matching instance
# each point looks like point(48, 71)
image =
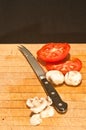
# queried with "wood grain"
point(18, 83)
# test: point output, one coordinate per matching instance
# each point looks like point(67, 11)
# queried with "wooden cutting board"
point(18, 83)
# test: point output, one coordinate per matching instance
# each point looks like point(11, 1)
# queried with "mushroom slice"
point(37, 104)
point(49, 101)
point(31, 102)
point(55, 76)
point(48, 112)
point(73, 78)
point(35, 119)
point(41, 105)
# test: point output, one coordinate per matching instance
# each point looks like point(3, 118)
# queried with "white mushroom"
point(49, 101)
point(55, 76)
point(35, 119)
point(38, 104)
point(73, 78)
point(48, 112)
point(41, 107)
point(33, 102)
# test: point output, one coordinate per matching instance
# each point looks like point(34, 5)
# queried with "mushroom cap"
point(73, 78)
point(55, 76)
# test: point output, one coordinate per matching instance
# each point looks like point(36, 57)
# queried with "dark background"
point(42, 21)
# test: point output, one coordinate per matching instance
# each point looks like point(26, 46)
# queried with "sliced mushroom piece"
point(38, 104)
point(33, 102)
point(49, 101)
point(42, 105)
point(55, 76)
point(48, 112)
point(35, 119)
point(73, 78)
point(41, 108)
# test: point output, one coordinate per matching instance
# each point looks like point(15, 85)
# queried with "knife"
point(58, 103)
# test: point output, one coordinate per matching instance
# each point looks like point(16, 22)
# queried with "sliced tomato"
point(64, 67)
point(52, 52)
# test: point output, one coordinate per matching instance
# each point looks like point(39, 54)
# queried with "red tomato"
point(65, 67)
point(53, 52)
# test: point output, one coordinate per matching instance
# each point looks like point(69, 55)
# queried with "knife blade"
point(58, 103)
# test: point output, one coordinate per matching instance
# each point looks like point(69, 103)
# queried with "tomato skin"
point(53, 52)
point(64, 67)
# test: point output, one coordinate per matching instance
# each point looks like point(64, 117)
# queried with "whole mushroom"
point(73, 78)
point(55, 76)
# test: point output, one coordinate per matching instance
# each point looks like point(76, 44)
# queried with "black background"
point(37, 21)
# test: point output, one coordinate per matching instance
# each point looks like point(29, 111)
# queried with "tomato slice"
point(64, 67)
point(53, 52)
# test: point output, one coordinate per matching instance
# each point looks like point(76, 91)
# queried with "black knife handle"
point(59, 105)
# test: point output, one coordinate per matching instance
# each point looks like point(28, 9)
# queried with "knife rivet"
point(52, 93)
point(60, 104)
point(42, 77)
point(46, 82)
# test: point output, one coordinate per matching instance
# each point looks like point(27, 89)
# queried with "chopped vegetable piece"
point(53, 52)
point(64, 67)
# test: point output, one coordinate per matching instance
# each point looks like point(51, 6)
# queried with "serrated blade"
point(32, 61)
